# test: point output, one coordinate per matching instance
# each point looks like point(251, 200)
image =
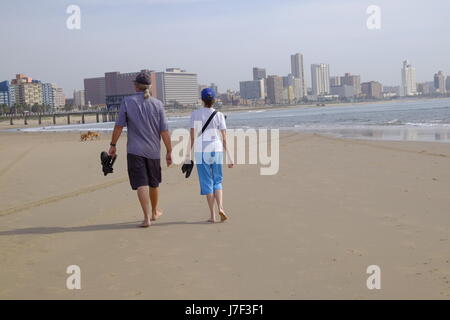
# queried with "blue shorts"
point(209, 168)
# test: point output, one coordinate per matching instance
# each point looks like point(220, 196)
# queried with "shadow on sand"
point(98, 227)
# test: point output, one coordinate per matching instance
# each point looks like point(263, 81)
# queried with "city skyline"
point(306, 27)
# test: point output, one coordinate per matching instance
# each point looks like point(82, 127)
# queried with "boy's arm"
point(227, 152)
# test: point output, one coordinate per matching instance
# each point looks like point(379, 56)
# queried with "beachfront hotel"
point(118, 86)
point(439, 83)
point(252, 90)
point(275, 89)
point(372, 90)
point(409, 85)
point(259, 73)
point(52, 96)
point(94, 91)
point(352, 80)
point(320, 79)
point(5, 96)
point(297, 71)
point(175, 86)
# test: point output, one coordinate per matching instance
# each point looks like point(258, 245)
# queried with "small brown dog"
point(91, 135)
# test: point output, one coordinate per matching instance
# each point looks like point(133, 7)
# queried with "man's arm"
point(190, 145)
point(120, 123)
point(165, 135)
point(115, 137)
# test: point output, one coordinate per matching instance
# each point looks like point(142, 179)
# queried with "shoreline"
point(227, 109)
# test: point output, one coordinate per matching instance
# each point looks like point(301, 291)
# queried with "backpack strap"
point(208, 122)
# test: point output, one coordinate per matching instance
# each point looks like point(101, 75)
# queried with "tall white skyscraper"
point(79, 98)
point(320, 79)
point(409, 84)
point(297, 70)
point(439, 82)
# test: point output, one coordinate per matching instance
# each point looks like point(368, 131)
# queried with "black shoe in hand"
point(107, 162)
point(187, 168)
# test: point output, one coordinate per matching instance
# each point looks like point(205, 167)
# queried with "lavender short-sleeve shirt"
point(144, 119)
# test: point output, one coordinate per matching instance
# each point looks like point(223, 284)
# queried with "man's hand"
point(169, 158)
point(112, 151)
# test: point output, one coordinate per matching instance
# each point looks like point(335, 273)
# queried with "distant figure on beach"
point(209, 148)
point(146, 124)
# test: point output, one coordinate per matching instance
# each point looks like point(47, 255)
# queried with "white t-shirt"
point(211, 139)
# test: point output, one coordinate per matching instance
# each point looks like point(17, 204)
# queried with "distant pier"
point(100, 116)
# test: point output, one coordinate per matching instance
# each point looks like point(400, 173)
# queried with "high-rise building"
point(335, 81)
point(409, 85)
point(297, 70)
point(117, 86)
point(60, 98)
point(295, 85)
point(352, 80)
point(299, 90)
point(78, 99)
point(52, 96)
point(26, 90)
point(275, 89)
point(175, 86)
point(426, 88)
point(320, 79)
point(48, 94)
point(372, 90)
point(30, 94)
point(447, 83)
point(95, 93)
point(343, 91)
point(5, 93)
point(215, 88)
point(12, 94)
point(259, 73)
point(439, 83)
point(21, 78)
point(252, 90)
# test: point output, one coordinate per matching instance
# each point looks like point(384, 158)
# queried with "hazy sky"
point(221, 40)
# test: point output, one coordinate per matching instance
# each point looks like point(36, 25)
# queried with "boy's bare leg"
point(144, 199)
point(156, 213)
point(218, 195)
point(210, 200)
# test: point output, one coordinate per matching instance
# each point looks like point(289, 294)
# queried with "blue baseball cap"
point(208, 94)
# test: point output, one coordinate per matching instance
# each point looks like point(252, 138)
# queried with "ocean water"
point(415, 120)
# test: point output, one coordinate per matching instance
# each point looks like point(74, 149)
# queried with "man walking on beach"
point(146, 124)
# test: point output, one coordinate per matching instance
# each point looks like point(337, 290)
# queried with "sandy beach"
point(310, 232)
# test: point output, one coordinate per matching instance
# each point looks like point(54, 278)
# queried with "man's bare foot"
point(156, 215)
point(211, 221)
point(145, 224)
point(223, 216)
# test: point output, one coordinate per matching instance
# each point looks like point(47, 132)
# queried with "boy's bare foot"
point(211, 221)
point(156, 215)
point(223, 216)
point(145, 224)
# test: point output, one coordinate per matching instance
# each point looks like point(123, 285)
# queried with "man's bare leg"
point(156, 213)
point(210, 200)
point(144, 199)
point(218, 195)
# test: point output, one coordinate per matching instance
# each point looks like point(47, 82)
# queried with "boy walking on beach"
point(146, 124)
